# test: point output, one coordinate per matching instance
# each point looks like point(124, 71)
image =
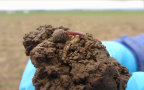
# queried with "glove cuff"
point(136, 45)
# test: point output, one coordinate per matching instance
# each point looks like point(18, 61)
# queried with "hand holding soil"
point(67, 60)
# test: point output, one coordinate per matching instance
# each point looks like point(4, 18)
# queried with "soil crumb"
point(72, 62)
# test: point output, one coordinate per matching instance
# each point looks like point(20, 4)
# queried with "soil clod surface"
point(72, 62)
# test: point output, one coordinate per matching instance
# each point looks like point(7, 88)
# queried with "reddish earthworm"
point(75, 33)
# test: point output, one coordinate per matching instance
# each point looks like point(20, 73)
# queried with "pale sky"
point(69, 4)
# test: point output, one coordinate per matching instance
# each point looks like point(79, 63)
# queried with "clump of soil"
point(72, 62)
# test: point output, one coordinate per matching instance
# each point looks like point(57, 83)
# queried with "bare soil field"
point(13, 27)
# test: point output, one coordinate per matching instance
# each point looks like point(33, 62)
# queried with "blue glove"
point(26, 82)
point(136, 82)
point(125, 56)
point(122, 54)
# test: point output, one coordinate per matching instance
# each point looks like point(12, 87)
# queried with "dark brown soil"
point(67, 62)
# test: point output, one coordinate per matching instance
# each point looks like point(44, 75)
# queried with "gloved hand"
point(122, 54)
point(116, 50)
point(26, 81)
point(136, 82)
point(125, 57)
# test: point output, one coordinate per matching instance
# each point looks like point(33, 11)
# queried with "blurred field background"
point(104, 25)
